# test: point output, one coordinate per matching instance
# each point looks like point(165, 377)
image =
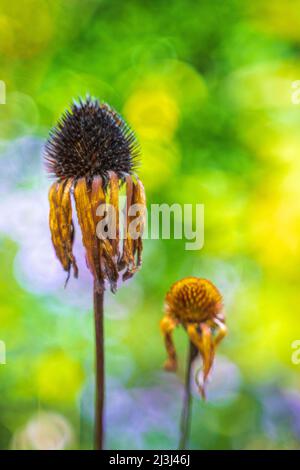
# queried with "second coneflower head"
point(196, 304)
point(91, 153)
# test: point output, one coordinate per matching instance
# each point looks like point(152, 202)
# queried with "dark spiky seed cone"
point(90, 140)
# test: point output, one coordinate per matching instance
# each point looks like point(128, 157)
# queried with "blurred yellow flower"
point(280, 18)
point(275, 221)
point(58, 377)
point(20, 36)
point(160, 162)
point(269, 319)
point(267, 85)
point(153, 113)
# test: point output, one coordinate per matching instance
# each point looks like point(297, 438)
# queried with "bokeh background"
point(207, 87)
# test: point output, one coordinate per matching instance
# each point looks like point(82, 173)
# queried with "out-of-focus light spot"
point(264, 333)
point(58, 377)
point(277, 17)
point(119, 362)
point(276, 233)
point(280, 412)
point(224, 200)
point(225, 275)
point(20, 37)
point(280, 146)
point(159, 163)
point(29, 212)
point(153, 113)
point(187, 85)
point(122, 306)
point(153, 403)
point(128, 404)
point(275, 221)
point(160, 98)
point(44, 431)
point(25, 220)
point(151, 51)
point(154, 109)
point(9, 315)
point(18, 116)
point(7, 26)
point(20, 164)
point(266, 85)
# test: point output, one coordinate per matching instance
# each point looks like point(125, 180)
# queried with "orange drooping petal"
point(55, 227)
point(105, 256)
point(135, 223)
point(201, 336)
point(139, 197)
point(61, 224)
point(110, 267)
point(67, 226)
point(208, 349)
point(114, 201)
point(97, 198)
point(167, 326)
point(127, 258)
point(88, 227)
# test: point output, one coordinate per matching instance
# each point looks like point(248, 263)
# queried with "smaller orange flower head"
point(196, 304)
point(193, 300)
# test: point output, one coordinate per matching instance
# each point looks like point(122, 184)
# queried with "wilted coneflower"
point(196, 304)
point(91, 153)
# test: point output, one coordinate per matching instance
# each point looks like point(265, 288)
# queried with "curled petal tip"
point(113, 287)
point(129, 274)
point(67, 280)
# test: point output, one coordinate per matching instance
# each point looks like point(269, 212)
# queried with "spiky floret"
point(90, 140)
point(193, 299)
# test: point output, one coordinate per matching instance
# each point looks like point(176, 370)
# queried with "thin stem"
point(185, 422)
point(99, 359)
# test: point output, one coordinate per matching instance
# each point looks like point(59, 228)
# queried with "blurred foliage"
point(207, 88)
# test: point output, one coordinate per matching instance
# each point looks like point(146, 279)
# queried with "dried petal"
point(139, 197)
point(88, 227)
point(61, 225)
point(167, 326)
point(114, 201)
point(202, 338)
point(127, 258)
point(97, 197)
point(105, 255)
point(109, 265)
point(67, 226)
